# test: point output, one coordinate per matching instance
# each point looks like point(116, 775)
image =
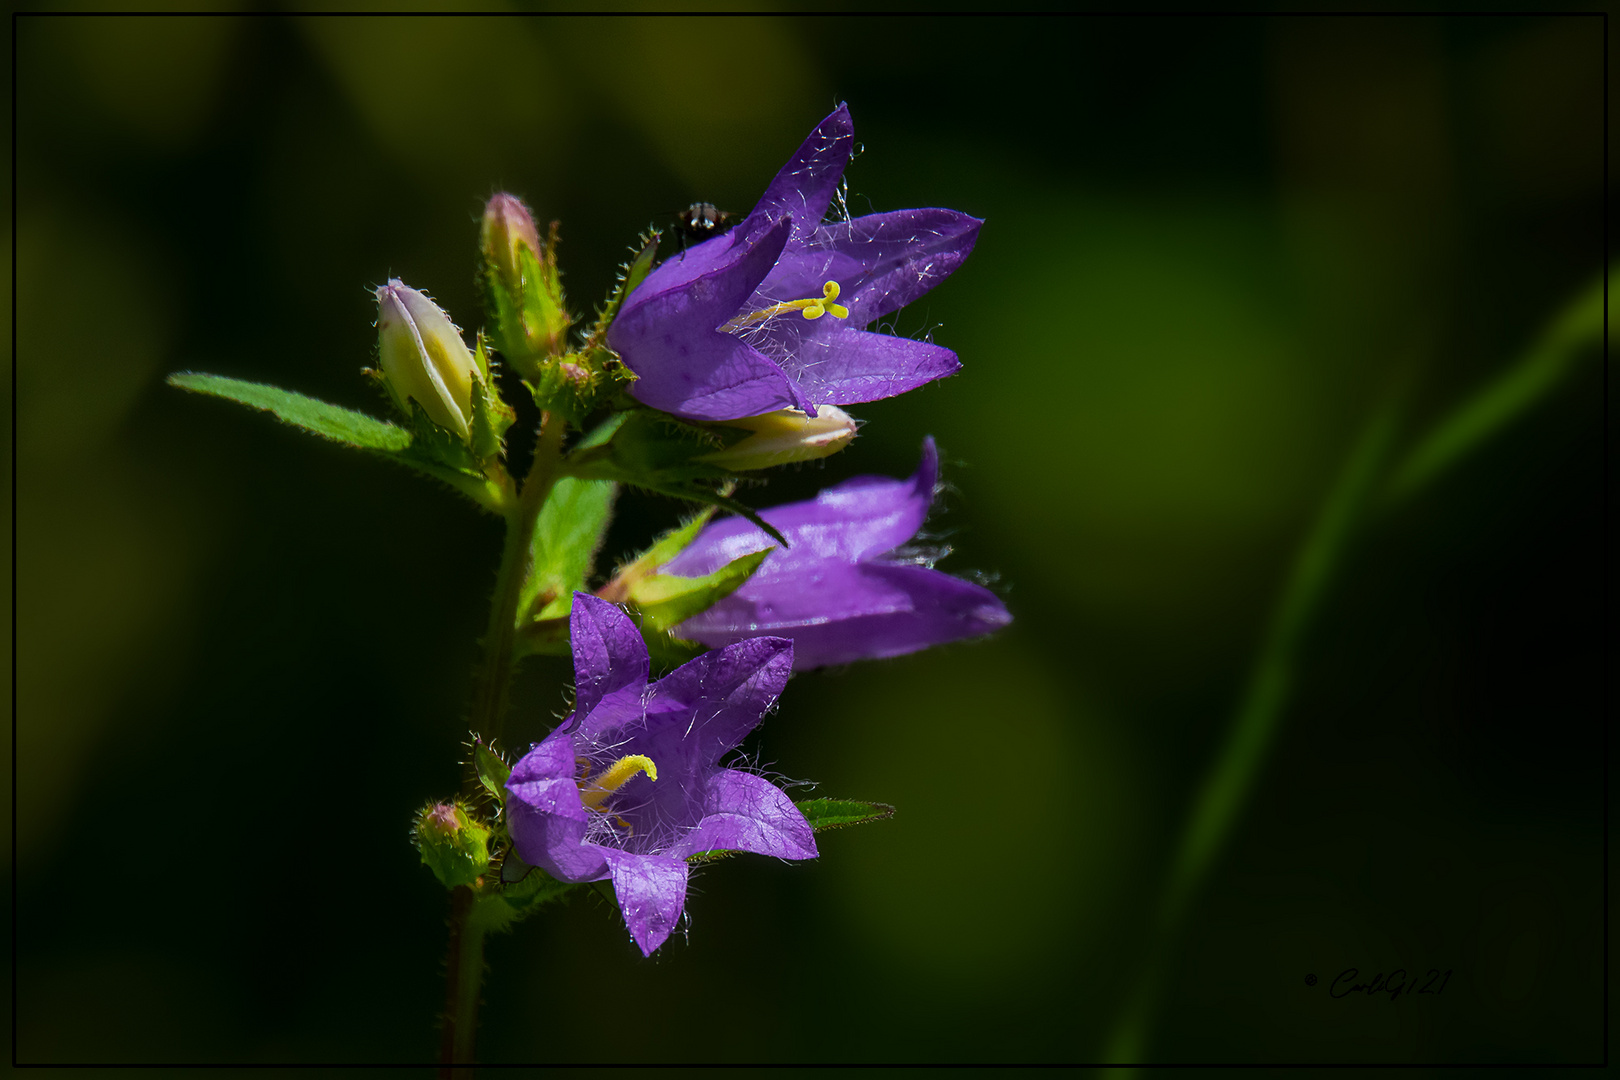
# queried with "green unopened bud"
point(507, 224)
point(454, 845)
point(524, 284)
point(785, 436)
point(423, 357)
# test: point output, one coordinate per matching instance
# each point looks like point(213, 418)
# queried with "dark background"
point(1213, 249)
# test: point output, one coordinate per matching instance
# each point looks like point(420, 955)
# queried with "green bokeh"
point(1212, 250)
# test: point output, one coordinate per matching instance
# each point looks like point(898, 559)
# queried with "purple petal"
point(666, 333)
point(705, 288)
point(714, 376)
point(744, 812)
point(881, 261)
point(806, 184)
point(545, 816)
point(717, 254)
point(610, 658)
point(817, 591)
point(925, 607)
point(709, 704)
point(846, 366)
point(849, 522)
point(651, 890)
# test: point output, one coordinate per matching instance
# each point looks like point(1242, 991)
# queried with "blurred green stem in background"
point(1507, 397)
point(1360, 486)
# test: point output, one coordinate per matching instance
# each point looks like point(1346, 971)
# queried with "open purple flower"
point(630, 786)
point(841, 590)
point(771, 315)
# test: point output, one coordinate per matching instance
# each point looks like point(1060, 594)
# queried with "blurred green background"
point(1212, 250)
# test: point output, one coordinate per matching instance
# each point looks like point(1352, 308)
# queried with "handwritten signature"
point(1394, 984)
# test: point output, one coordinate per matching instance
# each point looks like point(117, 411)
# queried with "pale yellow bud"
point(785, 436)
point(424, 358)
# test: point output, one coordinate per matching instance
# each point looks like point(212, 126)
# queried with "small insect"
point(699, 222)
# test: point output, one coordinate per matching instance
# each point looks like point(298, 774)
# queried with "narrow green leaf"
point(313, 415)
point(666, 600)
point(702, 495)
point(437, 453)
point(837, 813)
point(566, 538)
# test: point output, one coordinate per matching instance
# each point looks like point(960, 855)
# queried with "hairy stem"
point(463, 977)
point(495, 676)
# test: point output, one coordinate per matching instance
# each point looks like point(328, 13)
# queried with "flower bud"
point(783, 436)
point(424, 358)
point(454, 845)
point(525, 288)
point(507, 223)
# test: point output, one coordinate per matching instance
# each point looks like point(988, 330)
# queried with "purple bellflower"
point(629, 786)
point(771, 315)
point(841, 590)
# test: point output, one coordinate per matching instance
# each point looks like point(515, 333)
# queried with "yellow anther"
point(811, 308)
point(620, 773)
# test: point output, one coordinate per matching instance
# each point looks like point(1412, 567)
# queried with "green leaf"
point(566, 537)
point(666, 601)
point(836, 813)
point(492, 771)
point(435, 452)
point(313, 415)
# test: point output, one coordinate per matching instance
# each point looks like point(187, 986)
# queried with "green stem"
point(464, 965)
point(495, 676)
point(463, 976)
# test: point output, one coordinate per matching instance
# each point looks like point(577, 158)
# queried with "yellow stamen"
point(620, 773)
point(812, 308)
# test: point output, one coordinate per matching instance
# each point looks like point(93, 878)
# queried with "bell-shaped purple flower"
point(629, 786)
point(840, 590)
point(772, 314)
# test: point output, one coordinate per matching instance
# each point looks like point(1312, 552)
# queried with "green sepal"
point(529, 316)
point(567, 535)
point(656, 452)
point(313, 415)
point(492, 770)
point(665, 600)
point(457, 852)
point(545, 318)
point(523, 889)
point(631, 274)
point(823, 814)
point(437, 453)
point(703, 496)
point(491, 416)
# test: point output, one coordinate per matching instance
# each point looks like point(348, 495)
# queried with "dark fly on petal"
point(699, 222)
